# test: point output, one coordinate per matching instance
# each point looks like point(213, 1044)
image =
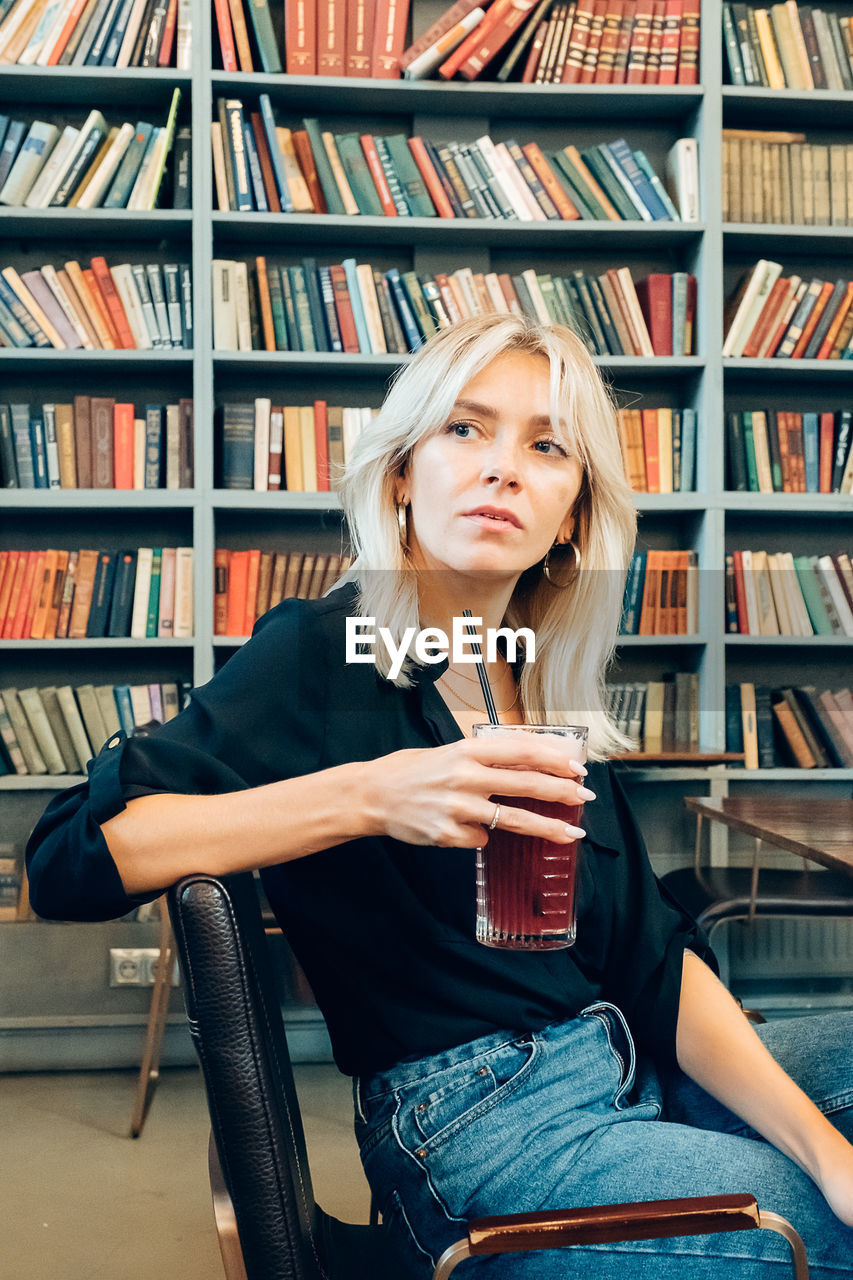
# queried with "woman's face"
point(493, 488)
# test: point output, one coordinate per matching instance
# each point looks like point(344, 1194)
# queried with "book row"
point(301, 448)
point(248, 583)
point(94, 166)
point(14, 895)
point(96, 442)
point(789, 317)
point(130, 306)
point(268, 167)
point(355, 307)
point(662, 716)
point(58, 729)
point(144, 594)
point(659, 449)
point(774, 451)
point(97, 33)
point(788, 46)
point(801, 726)
point(782, 594)
point(661, 594)
point(779, 178)
point(591, 41)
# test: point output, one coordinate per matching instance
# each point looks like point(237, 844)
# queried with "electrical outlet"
point(136, 967)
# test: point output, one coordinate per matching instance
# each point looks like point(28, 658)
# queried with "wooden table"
point(819, 830)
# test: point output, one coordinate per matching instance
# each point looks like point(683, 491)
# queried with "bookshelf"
point(709, 520)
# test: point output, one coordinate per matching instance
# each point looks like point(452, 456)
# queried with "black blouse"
point(383, 930)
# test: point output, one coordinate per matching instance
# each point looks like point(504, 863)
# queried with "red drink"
point(525, 884)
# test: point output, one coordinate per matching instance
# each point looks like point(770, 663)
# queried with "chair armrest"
point(600, 1224)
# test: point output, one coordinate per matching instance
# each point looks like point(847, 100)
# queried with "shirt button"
point(114, 742)
point(484, 1071)
point(422, 1106)
point(421, 1153)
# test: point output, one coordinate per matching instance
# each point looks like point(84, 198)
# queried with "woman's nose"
point(501, 465)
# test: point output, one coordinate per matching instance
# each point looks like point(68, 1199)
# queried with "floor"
point(83, 1201)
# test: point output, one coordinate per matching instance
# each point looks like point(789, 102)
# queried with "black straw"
point(481, 672)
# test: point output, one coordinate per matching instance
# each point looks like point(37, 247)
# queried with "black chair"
point(269, 1225)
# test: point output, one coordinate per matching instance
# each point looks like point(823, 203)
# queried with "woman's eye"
point(460, 429)
point(552, 445)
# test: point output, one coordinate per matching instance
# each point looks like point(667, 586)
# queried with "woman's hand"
point(443, 795)
point(834, 1174)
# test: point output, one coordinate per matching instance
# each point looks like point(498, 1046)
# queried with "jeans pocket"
point(620, 1042)
point(436, 1110)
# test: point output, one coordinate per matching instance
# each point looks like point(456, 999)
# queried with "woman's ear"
point(566, 530)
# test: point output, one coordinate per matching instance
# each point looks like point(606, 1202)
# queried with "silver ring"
point(496, 818)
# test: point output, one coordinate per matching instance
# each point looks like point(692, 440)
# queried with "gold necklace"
point(470, 679)
point(472, 706)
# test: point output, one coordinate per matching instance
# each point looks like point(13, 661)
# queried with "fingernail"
point(575, 833)
point(577, 767)
point(585, 793)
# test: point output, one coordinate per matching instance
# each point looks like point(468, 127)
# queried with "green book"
point(749, 453)
point(357, 170)
point(154, 594)
point(279, 321)
point(294, 342)
point(423, 315)
point(409, 176)
point(334, 202)
point(612, 188)
point(259, 12)
point(812, 596)
point(566, 307)
point(587, 202)
point(659, 189)
point(546, 288)
point(307, 341)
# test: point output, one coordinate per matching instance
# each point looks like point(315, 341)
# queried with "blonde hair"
point(575, 625)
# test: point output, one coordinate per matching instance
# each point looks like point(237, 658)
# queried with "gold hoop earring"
point(403, 525)
point(546, 564)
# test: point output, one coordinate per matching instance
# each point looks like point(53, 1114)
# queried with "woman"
point(485, 1081)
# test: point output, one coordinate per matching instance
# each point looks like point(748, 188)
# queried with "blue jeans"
point(569, 1116)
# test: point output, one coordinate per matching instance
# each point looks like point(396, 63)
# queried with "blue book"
point(255, 176)
point(128, 169)
point(624, 157)
point(11, 145)
point(315, 304)
point(236, 424)
point(633, 594)
point(404, 310)
point(811, 451)
point(23, 445)
point(102, 594)
point(186, 307)
point(38, 448)
point(153, 445)
point(12, 328)
point(275, 153)
point(124, 707)
point(113, 45)
point(4, 125)
point(349, 266)
point(99, 44)
point(660, 190)
point(688, 450)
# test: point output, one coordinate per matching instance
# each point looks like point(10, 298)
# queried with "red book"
point(544, 173)
point(609, 42)
point(65, 34)
point(593, 43)
point(16, 575)
point(359, 37)
point(41, 597)
point(331, 37)
point(389, 38)
point(578, 40)
point(671, 42)
point(167, 40)
point(377, 173)
point(252, 574)
point(123, 415)
point(491, 42)
point(655, 295)
point(471, 42)
point(101, 303)
point(825, 451)
point(811, 324)
point(238, 574)
point(768, 318)
point(226, 35)
point(305, 157)
point(113, 301)
point(29, 596)
point(796, 458)
point(784, 452)
point(221, 559)
point(300, 37)
point(651, 594)
point(651, 449)
point(343, 308)
point(321, 445)
point(536, 46)
point(623, 45)
point(432, 182)
point(439, 28)
point(835, 327)
point(5, 562)
point(785, 320)
point(52, 616)
point(641, 34)
point(740, 594)
point(688, 52)
point(259, 133)
point(653, 58)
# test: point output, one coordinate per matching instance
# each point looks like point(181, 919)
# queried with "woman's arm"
point(718, 1048)
point(427, 796)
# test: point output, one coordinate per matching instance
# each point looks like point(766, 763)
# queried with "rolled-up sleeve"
point(258, 721)
point(651, 933)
